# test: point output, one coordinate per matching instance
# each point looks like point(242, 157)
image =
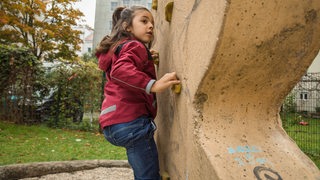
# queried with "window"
point(114, 5)
point(89, 50)
point(304, 95)
point(126, 3)
point(136, 2)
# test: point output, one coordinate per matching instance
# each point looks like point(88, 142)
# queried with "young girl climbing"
point(130, 107)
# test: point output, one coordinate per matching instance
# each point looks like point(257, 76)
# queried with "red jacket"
point(130, 74)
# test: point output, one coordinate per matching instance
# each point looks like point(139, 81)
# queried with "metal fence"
point(300, 114)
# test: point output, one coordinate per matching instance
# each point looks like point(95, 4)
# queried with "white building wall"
point(86, 31)
point(87, 45)
point(307, 93)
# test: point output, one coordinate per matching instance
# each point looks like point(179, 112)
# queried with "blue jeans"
point(137, 137)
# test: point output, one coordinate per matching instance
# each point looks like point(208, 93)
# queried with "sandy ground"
point(100, 173)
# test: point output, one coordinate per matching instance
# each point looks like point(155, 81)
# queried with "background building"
point(307, 91)
point(87, 38)
point(87, 44)
point(103, 15)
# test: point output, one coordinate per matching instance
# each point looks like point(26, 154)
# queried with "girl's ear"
point(126, 27)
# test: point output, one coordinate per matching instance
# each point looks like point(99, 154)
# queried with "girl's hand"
point(165, 82)
point(154, 54)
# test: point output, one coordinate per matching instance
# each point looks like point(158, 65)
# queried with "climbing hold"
point(156, 61)
point(154, 4)
point(168, 11)
point(176, 88)
point(165, 176)
point(155, 56)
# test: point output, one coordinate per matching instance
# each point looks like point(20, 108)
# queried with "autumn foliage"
point(33, 32)
point(44, 26)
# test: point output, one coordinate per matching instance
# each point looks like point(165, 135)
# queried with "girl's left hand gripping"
point(155, 56)
point(165, 82)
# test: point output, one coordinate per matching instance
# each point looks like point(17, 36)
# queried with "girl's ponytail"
point(116, 15)
point(108, 41)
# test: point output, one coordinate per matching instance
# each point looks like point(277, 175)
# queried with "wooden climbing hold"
point(154, 4)
point(165, 176)
point(155, 56)
point(156, 61)
point(168, 11)
point(176, 88)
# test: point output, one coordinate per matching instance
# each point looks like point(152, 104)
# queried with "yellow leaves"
point(10, 137)
point(98, 134)
point(3, 19)
point(48, 32)
point(42, 25)
point(41, 5)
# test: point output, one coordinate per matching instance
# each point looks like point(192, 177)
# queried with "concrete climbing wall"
point(237, 61)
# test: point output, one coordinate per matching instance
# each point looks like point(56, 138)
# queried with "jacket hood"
point(105, 60)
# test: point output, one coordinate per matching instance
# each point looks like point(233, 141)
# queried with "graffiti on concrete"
point(247, 155)
point(262, 173)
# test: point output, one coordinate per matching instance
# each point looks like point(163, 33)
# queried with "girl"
point(129, 106)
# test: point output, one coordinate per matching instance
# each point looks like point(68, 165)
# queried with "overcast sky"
point(88, 8)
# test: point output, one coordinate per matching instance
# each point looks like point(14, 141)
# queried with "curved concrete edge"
point(237, 60)
point(28, 170)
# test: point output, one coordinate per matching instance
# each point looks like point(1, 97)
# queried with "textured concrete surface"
point(237, 61)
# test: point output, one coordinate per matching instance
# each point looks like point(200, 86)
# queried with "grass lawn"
point(307, 137)
point(24, 144)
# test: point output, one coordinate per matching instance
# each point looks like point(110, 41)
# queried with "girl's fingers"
point(174, 76)
point(165, 82)
point(154, 54)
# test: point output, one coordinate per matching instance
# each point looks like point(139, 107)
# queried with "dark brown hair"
point(121, 19)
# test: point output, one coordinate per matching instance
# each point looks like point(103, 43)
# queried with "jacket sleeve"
point(127, 69)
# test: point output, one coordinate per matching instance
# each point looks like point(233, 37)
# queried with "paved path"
point(69, 170)
point(93, 174)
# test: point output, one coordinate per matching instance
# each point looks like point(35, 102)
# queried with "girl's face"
point(142, 26)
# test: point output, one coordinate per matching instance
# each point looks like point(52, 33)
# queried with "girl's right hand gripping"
point(165, 82)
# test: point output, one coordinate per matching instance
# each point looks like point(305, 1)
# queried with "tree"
point(44, 26)
point(77, 90)
point(19, 70)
